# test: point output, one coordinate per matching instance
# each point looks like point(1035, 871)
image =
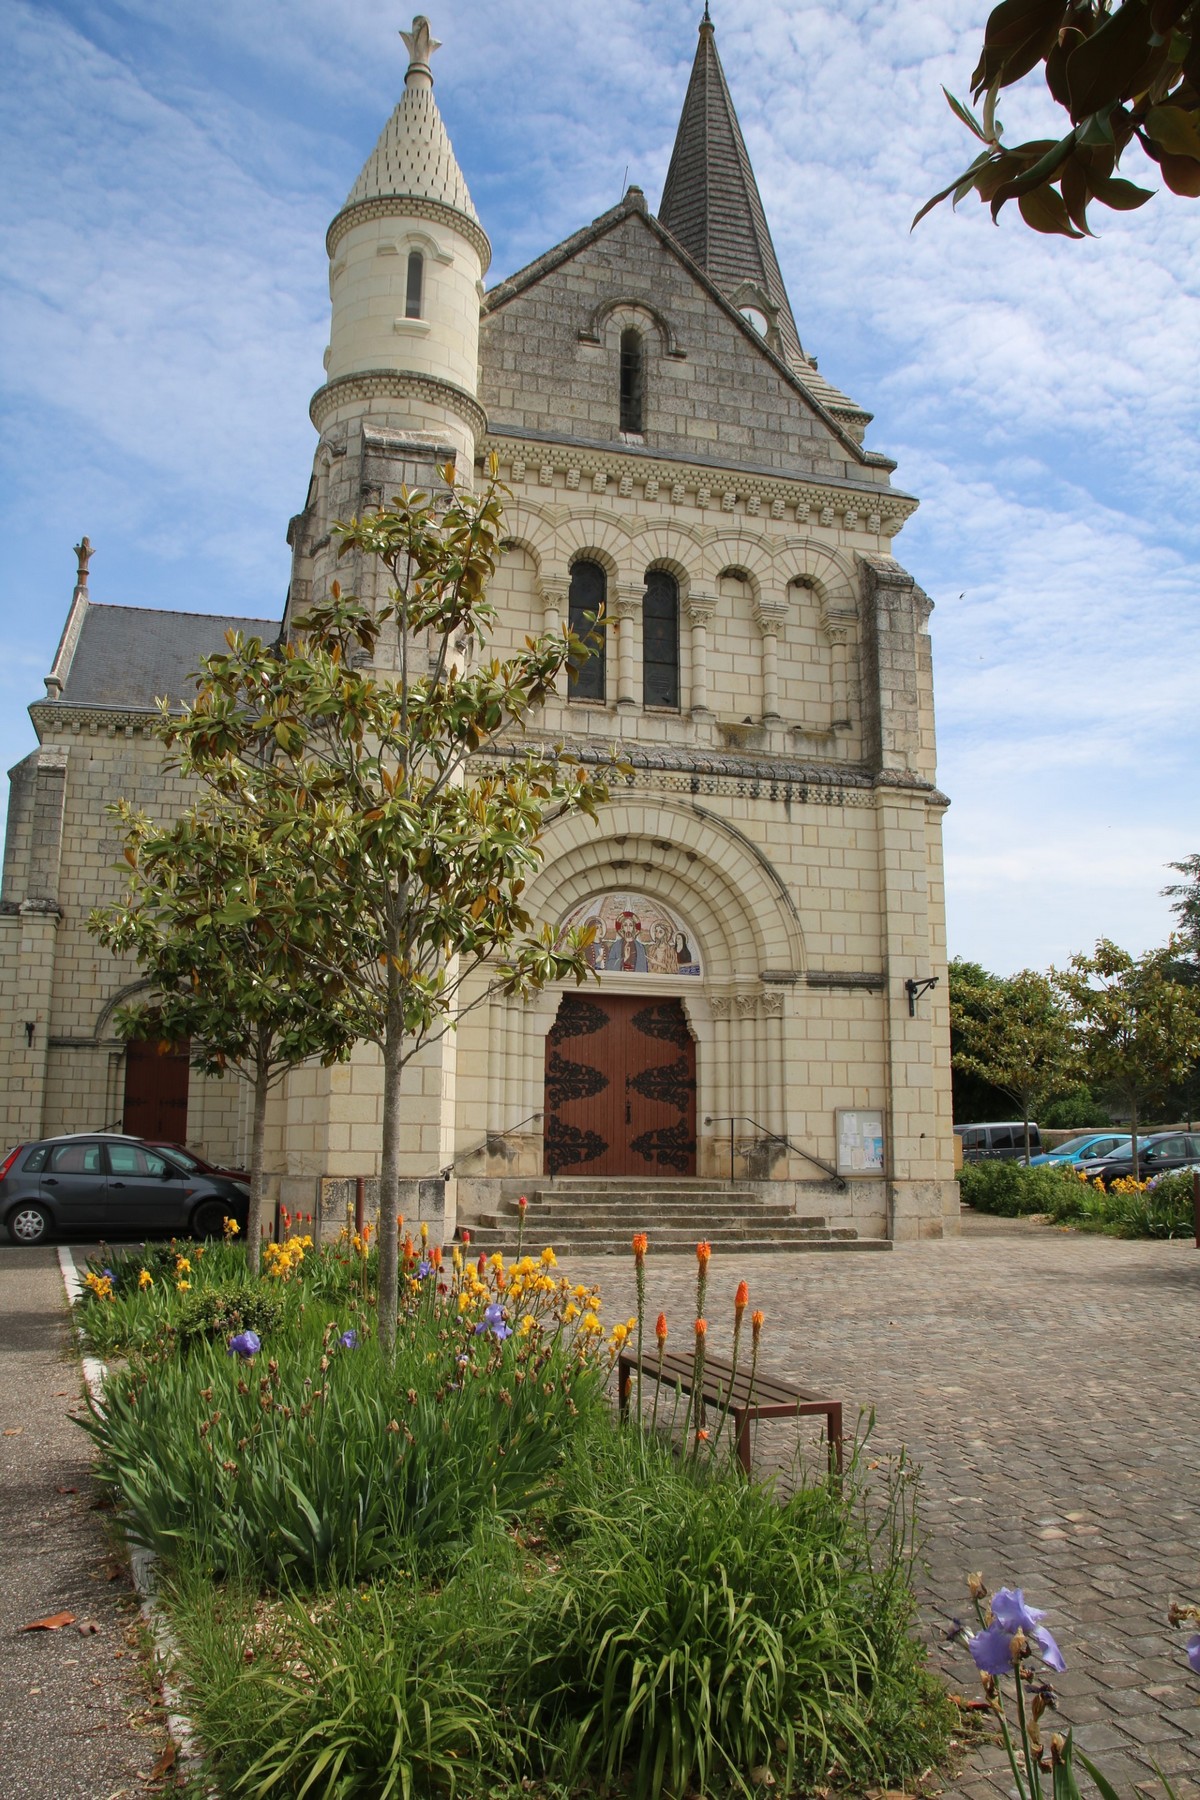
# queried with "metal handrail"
point(772, 1137)
point(448, 1169)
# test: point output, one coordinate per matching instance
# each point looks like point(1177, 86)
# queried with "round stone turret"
point(407, 256)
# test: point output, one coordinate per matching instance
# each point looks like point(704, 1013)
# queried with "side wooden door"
point(156, 1091)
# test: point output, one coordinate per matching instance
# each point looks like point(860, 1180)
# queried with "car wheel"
point(28, 1223)
point(208, 1220)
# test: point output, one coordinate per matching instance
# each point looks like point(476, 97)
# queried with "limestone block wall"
point(63, 860)
point(368, 277)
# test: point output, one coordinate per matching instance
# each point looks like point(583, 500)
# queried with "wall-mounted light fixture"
point(30, 1028)
point(914, 990)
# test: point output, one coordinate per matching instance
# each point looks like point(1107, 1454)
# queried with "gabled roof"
point(711, 202)
point(126, 656)
point(825, 401)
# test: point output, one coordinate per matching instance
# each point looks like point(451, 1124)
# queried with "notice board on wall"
point(859, 1140)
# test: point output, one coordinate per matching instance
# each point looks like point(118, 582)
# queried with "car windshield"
point(177, 1155)
point(1071, 1145)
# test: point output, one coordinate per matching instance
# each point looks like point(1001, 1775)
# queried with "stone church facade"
point(766, 885)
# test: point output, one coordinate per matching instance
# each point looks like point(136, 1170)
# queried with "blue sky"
point(169, 175)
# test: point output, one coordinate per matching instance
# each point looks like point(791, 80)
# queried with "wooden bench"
point(729, 1391)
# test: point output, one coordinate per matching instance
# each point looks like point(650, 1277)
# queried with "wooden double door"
point(156, 1091)
point(620, 1087)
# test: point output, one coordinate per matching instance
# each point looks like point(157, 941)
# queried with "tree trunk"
point(1133, 1133)
point(389, 1165)
point(258, 1131)
point(1025, 1121)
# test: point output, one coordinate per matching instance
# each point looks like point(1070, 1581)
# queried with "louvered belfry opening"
point(660, 640)
point(588, 588)
point(633, 382)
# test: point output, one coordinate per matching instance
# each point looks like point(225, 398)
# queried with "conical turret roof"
point(711, 203)
point(414, 157)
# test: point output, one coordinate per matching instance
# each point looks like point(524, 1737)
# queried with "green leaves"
point(1122, 74)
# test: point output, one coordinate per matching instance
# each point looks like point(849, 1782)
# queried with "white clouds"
point(169, 176)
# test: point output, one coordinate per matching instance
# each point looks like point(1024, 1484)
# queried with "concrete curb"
point(143, 1563)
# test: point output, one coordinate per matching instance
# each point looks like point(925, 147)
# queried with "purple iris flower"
point(109, 1274)
point(1010, 1611)
point(424, 1269)
point(992, 1651)
point(244, 1344)
point(1193, 1653)
point(493, 1321)
point(349, 1340)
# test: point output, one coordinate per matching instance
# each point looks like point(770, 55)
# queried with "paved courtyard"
point(1049, 1385)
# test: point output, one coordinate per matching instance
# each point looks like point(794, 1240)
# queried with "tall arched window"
point(633, 381)
point(660, 640)
point(588, 588)
point(416, 281)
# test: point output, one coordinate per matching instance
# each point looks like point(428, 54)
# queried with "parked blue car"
point(1089, 1147)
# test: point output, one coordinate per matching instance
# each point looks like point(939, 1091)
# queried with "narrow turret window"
point(660, 640)
point(633, 382)
point(416, 281)
point(588, 587)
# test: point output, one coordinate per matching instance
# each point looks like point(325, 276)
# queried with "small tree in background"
point(375, 779)
point(1014, 1033)
point(208, 913)
point(1137, 1029)
point(1185, 904)
point(1122, 74)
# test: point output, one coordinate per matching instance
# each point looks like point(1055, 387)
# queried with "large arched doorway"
point(620, 1087)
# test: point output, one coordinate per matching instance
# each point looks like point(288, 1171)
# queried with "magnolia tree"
point(208, 913)
point(1137, 1029)
point(1015, 1033)
point(385, 749)
point(1120, 73)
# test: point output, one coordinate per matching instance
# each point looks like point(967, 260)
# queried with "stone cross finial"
point(421, 46)
point(83, 556)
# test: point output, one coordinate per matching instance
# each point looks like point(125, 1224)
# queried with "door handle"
point(50, 1180)
point(116, 1184)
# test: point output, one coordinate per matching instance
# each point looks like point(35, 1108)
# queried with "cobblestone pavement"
point(1048, 1384)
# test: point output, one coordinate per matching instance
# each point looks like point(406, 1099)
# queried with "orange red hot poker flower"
point(757, 1320)
point(660, 1329)
point(741, 1299)
point(641, 1243)
point(703, 1252)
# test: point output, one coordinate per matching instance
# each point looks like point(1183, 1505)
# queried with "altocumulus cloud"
point(165, 306)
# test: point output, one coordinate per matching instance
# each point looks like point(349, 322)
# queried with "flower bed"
point(450, 1568)
point(1159, 1208)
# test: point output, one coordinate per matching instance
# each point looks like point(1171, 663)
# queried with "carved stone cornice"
point(533, 459)
point(397, 384)
point(700, 608)
point(409, 206)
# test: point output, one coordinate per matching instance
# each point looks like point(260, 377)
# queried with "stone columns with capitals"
point(700, 610)
point(627, 609)
point(555, 594)
point(769, 619)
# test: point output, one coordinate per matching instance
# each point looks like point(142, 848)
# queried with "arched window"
point(660, 640)
point(416, 281)
point(588, 588)
point(633, 381)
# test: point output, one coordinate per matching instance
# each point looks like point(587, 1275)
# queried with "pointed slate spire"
point(414, 157)
point(712, 205)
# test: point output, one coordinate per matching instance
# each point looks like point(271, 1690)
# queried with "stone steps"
point(582, 1218)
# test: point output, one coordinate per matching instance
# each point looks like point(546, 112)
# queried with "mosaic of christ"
point(635, 936)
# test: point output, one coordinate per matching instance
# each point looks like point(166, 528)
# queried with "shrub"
point(1011, 1189)
point(213, 1314)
